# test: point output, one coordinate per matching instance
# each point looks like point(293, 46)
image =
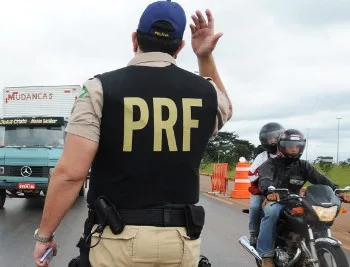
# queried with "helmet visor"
point(292, 148)
point(270, 137)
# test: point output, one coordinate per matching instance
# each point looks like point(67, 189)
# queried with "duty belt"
point(160, 217)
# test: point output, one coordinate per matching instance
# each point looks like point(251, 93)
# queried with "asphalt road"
point(224, 225)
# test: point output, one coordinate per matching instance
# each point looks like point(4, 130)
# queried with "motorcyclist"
point(268, 137)
point(286, 170)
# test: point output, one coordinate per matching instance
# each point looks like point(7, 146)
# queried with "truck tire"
point(2, 198)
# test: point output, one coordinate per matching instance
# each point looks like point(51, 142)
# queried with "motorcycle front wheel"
point(331, 256)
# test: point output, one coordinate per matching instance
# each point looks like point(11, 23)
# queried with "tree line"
point(228, 147)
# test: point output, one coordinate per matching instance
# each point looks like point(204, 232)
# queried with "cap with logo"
point(168, 11)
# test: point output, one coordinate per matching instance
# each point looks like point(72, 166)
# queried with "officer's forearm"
point(61, 195)
point(207, 68)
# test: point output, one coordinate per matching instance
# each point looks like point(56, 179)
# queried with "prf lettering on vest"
point(159, 124)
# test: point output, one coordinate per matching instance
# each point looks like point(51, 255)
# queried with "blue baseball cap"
point(163, 11)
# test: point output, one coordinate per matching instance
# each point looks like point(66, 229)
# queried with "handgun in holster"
point(107, 215)
point(104, 213)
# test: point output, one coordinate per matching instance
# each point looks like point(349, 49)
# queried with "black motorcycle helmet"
point(291, 144)
point(268, 136)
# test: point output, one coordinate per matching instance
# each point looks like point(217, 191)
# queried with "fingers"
point(345, 197)
point(273, 197)
point(210, 19)
point(42, 264)
point(196, 21)
point(199, 22)
point(45, 263)
point(202, 22)
point(193, 28)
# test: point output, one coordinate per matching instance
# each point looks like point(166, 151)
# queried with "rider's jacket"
point(279, 173)
point(253, 173)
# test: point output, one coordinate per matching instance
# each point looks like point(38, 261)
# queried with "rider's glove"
point(345, 197)
point(273, 197)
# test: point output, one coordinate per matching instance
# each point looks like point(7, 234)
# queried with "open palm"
point(203, 39)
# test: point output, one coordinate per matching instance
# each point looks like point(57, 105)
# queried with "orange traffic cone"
point(242, 183)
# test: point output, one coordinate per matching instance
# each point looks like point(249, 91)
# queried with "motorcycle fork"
point(312, 246)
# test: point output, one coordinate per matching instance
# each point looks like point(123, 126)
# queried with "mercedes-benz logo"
point(26, 171)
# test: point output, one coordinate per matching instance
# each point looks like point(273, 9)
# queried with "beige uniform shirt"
point(86, 113)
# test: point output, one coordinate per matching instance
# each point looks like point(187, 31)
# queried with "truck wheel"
point(82, 191)
point(2, 198)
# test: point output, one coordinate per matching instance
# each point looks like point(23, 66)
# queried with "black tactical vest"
point(156, 122)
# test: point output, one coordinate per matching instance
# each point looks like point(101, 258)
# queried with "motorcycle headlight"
point(326, 214)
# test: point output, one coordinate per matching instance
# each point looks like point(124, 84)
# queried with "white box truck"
point(32, 137)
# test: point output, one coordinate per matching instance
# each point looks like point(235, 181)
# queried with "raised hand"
point(203, 38)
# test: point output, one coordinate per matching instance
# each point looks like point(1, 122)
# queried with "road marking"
point(224, 200)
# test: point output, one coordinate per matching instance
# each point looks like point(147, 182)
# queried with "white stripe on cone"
point(244, 181)
point(242, 169)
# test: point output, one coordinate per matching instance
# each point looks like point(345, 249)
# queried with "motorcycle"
point(304, 236)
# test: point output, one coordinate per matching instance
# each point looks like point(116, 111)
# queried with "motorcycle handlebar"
point(344, 190)
point(272, 189)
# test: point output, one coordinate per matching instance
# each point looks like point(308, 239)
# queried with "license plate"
point(26, 186)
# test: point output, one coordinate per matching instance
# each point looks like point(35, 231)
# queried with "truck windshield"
point(33, 137)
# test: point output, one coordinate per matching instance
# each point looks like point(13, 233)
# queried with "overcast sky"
point(283, 61)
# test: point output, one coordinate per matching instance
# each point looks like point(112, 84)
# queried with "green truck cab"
point(30, 149)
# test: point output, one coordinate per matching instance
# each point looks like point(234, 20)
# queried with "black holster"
point(195, 217)
point(105, 214)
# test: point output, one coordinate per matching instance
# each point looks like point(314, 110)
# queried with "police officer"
point(143, 130)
